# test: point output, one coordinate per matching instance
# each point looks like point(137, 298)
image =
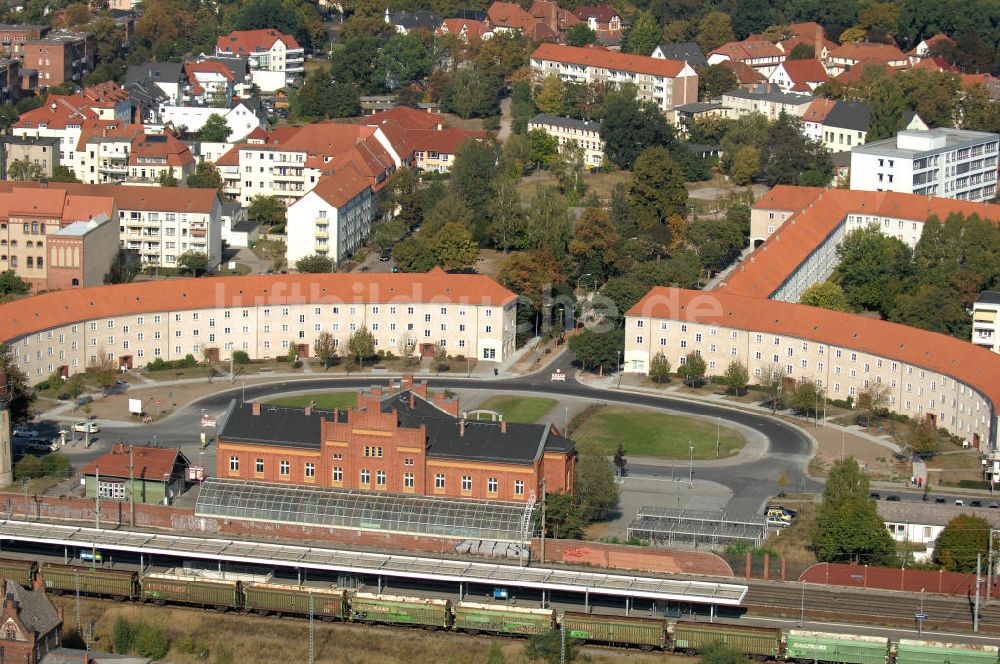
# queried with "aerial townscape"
point(511, 332)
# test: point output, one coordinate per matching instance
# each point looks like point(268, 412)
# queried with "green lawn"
point(519, 409)
point(324, 400)
point(649, 434)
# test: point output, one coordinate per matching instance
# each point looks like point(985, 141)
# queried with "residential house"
point(951, 163)
point(333, 219)
point(510, 16)
point(240, 117)
point(154, 155)
point(465, 29)
point(986, 321)
point(815, 116)
point(102, 153)
point(799, 75)
point(926, 46)
point(666, 83)
point(147, 475)
point(210, 83)
point(60, 57)
point(421, 134)
point(767, 100)
point(688, 52)
point(404, 440)
point(685, 114)
point(550, 14)
point(147, 98)
point(13, 37)
point(421, 19)
point(756, 53)
point(846, 126)
point(746, 76)
point(167, 76)
point(809, 33)
point(585, 133)
point(31, 623)
point(847, 56)
point(237, 229)
point(605, 22)
point(275, 59)
point(42, 151)
point(920, 523)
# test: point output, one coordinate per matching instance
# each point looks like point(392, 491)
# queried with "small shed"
point(157, 474)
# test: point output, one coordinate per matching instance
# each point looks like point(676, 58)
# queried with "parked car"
point(893, 499)
point(994, 505)
point(40, 445)
point(385, 255)
point(959, 502)
point(86, 427)
point(781, 508)
point(939, 501)
point(777, 522)
point(84, 400)
point(976, 503)
point(875, 495)
point(24, 432)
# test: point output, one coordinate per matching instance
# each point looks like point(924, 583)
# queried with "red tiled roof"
point(854, 74)
point(868, 51)
point(151, 463)
point(602, 14)
point(455, 26)
point(57, 113)
point(405, 117)
point(745, 74)
point(158, 199)
point(947, 355)
point(244, 42)
point(58, 308)
point(805, 71)
point(108, 91)
point(509, 15)
point(207, 67)
point(748, 49)
point(931, 42)
point(339, 189)
point(446, 141)
point(552, 15)
point(818, 213)
point(590, 57)
point(165, 146)
point(30, 201)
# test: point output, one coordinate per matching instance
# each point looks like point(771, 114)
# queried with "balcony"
point(197, 232)
point(322, 234)
point(113, 169)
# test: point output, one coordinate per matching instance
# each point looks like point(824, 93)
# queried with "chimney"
point(461, 427)
point(255, 408)
point(503, 426)
point(38, 583)
point(411, 400)
point(818, 45)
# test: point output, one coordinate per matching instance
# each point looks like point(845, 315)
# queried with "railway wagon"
point(19, 571)
point(473, 617)
point(646, 633)
point(117, 583)
point(163, 588)
point(265, 598)
point(396, 610)
point(762, 642)
point(810, 646)
point(911, 651)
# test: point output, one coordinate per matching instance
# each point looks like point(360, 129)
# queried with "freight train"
point(338, 604)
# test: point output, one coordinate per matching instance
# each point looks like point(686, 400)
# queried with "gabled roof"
point(153, 199)
point(853, 115)
point(770, 93)
point(858, 69)
point(600, 14)
point(422, 19)
point(870, 52)
point(805, 71)
point(34, 609)
point(749, 49)
point(444, 141)
point(818, 110)
point(603, 59)
point(192, 69)
point(688, 52)
point(149, 463)
point(745, 74)
point(552, 15)
point(164, 146)
point(931, 42)
point(108, 91)
point(470, 15)
point(569, 123)
point(245, 42)
point(59, 112)
point(468, 27)
point(340, 188)
point(405, 117)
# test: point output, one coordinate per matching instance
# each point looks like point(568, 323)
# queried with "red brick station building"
point(402, 439)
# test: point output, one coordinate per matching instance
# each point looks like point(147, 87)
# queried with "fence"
point(892, 578)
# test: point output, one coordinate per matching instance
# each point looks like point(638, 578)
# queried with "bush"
point(160, 365)
point(241, 357)
point(843, 403)
point(973, 484)
point(150, 641)
point(55, 465)
point(29, 466)
point(122, 636)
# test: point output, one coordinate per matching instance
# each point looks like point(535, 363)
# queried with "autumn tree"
point(361, 345)
point(962, 543)
point(874, 399)
point(714, 30)
point(737, 377)
point(454, 247)
point(594, 243)
point(826, 295)
point(20, 395)
point(325, 348)
point(657, 192)
point(549, 98)
point(692, 371)
point(659, 368)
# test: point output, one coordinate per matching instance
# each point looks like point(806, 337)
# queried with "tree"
point(887, 108)
point(166, 178)
point(657, 192)
point(549, 98)
point(103, 370)
point(472, 94)
point(874, 399)
point(361, 345)
point(215, 129)
point(413, 255)
point(848, 527)
point(472, 178)
point(404, 58)
point(771, 381)
point(717, 241)
point(325, 348)
point(441, 359)
point(547, 647)
point(802, 51)
point(630, 127)
point(267, 210)
point(24, 170)
point(808, 397)
point(659, 368)
point(644, 35)
point(598, 350)
point(751, 16)
point(314, 264)
point(544, 148)
point(20, 396)
point(872, 269)
point(963, 541)
point(196, 262)
point(454, 247)
point(581, 35)
point(745, 165)
point(713, 80)
point(205, 176)
point(619, 459)
point(532, 274)
point(62, 173)
point(564, 518)
point(594, 243)
point(714, 30)
point(692, 370)
point(789, 157)
point(825, 295)
point(923, 439)
point(510, 223)
point(12, 285)
point(263, 14)
point(594, 486)
point(737, 377)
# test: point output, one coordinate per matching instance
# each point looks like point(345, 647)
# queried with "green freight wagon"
point(163, 588)
point(747, 639)
point(647, 633)
point(910, 651)
point(396, 610)
point(19, 571)
point(809, 646)
point(265, 598)
point(116, 583)
point(473, 617)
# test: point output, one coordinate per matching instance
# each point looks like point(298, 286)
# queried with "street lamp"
point(718, 435)
point(690, 464)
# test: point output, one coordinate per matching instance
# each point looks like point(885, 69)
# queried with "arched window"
point(31, 261)
point(40, 262)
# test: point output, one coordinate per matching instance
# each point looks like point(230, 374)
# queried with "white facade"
point(986, 321)
point(949, 163)
point(316, 226)
point(587, 135)
point(161, 236)
point(239, 118)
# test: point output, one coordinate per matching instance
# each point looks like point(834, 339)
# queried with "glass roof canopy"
point(364, 510)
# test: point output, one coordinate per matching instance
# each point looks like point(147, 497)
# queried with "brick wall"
point(891, 578)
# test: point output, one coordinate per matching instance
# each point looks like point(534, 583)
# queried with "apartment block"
point(41, 151)
point(666, 83)
point(13, 37)
point(585, 133)
point(951, 163)
point(404, 439)
point(766, 99)
point(333, 219)
point(466, 314)
point(60, 57)
point(933, 377)
point(986, 321)
point(276, 60)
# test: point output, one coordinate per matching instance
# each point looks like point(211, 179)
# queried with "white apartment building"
point(986, 321)
point(950, 163)
point(133, 324)
point(765, 99)
point(276, 60)
point(240, 118)
point(667, 83)
point(932, 376)
point(585, 133)
point(333, 220)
